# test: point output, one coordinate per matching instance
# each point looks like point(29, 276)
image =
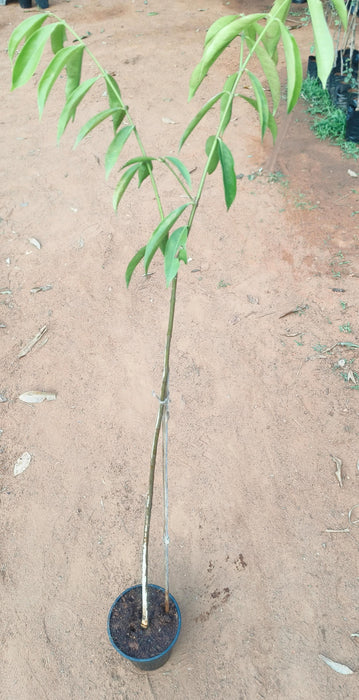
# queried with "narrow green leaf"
point(145, 167)
point(133, 264)
point(193, 123)
point(280, 9)
point(182, 255)
point(323, 42)
point(93, 122)
point(73, 71)
point(138, 159)
point(270, 71)
point(58, 37)
point(123, 183)
point(23, 31)
point(114, 97)
point(218, 25)
point(160, 234)
point(342, 11)
point(294, 66)
point(228, 85)
point(144, 171)
point(176, 241)
point(277, 15)
point(217, 45)
point(214, 160)
point(181, 167)
point(51, 74)
point(272, 124)
point(228, 174)
point(72, 103)
point(116, 147)
point(262, 104)
point(30, 55)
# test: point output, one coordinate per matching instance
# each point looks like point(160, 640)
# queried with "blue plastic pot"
point(153, 662)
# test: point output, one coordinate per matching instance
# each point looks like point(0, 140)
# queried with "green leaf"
point(323, 42)
point(277, 15)
point(228, 174)
point(30, 55)
point(24, 31)
point(145, 167)
point(228, 85)
point(193, 123)
point(272, 124)
point(294, 67)
point(160, 234)
point(342, 11)
point(217, 45)
point(181, 167)
point(144, 171)
point(123, 183)
point(114, 97)
point(93, 122)
point(72, 103)
point(133, 264)
point(214, 160)
point(218, 25)
point(270, 71)
point(262, 104)
point(176, 241)
point(51, 74)
point(73, 71)
point(116, 147)
point(58, 37)
point(138, 159)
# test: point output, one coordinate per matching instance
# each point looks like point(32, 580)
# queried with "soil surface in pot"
point(126, 630)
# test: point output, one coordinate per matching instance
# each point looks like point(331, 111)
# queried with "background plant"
point(256, 35)
point(329, 121)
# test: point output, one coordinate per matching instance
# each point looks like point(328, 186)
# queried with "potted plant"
point(144, 621)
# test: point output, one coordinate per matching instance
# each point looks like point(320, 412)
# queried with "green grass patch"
point(328, 121)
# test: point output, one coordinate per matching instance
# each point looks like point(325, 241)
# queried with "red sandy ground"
point(257, 407)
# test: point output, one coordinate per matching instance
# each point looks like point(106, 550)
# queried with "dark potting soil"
point(125, 624)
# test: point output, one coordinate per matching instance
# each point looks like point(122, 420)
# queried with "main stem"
point(163, 401)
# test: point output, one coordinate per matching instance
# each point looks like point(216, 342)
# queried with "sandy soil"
point(259, 404)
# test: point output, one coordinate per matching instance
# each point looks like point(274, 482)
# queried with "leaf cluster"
point(256, 35)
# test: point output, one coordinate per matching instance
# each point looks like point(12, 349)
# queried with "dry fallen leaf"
point(338, 473)
point(35, 243)
point(37, 396)
point(354, 511)
point(351, 377)
point(32, 342)
point(339, 668)
point(22, 463)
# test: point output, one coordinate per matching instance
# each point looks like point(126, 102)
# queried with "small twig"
point(32, 342)
point(300, 307)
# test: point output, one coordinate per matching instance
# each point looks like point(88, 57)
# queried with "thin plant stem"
point(163, 400)
point(165, 499)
